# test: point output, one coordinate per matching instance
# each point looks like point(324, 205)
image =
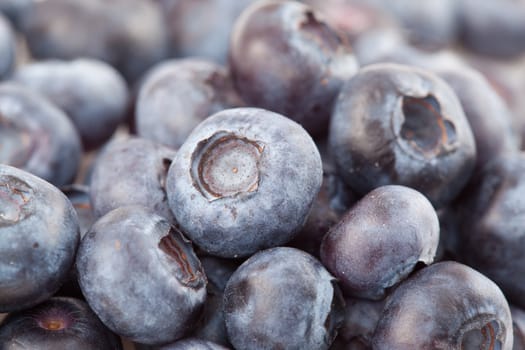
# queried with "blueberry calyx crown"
point(425, 130)
point(226, 165)
point(14, 196)
point(180, 250)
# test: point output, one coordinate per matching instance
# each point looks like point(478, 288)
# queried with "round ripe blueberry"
point(379, 240)
point(91, 92)
point(128, 172)
point(282, 298)
point(244, 180)
point(141, 276)
point(284, 57)
point(177, 95)
point(36, 136)
point(39, 236)
point(58, 323)
point(7, 47)
point(492, 234)
point(396, 124)
point(113, 36)
point(445, 306)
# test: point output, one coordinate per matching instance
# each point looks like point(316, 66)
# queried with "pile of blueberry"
point(262, 174)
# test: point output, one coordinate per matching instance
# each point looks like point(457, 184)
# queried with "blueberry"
point(380, 239)
point(95, 105)
point(128, 34)
point(201, 28)
point(284, 57)
point(58, 323)
point(131, 171)
point(177, 95)
point(492, 235)
point(479, 100)
point(282, 298)
point(7, 48)
point(36, 136)
point(396, 124)
point(38, 239)
point(244, 180)
point(445, 306)
point(141, 276)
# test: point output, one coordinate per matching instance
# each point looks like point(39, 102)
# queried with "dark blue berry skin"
point(489, 117)
point(141, 276)
point(128, 172)
point(92, 93)
point(282, 298)
point(445, 306)
point(285, 58)
point(177, 95)
point(193, 344)
point(353, 18)
point(211, 327)
point(492, 27)
point(361, 318)
point(379, 241)
point(518, 320)
point(78, 195)
point(57, 29)
point(58, 323)
point(428, 24)
point(15, 10)
point(36, 136)
point(332, 201)
point(201, 28)
point(244, 180)
point(39, 236)
point(7, 48)
point(396, 124)
point(492, 235)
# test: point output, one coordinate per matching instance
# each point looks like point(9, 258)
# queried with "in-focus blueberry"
point(244, 180)
point(39, 236)
point(141, 276)
point(282, 298)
